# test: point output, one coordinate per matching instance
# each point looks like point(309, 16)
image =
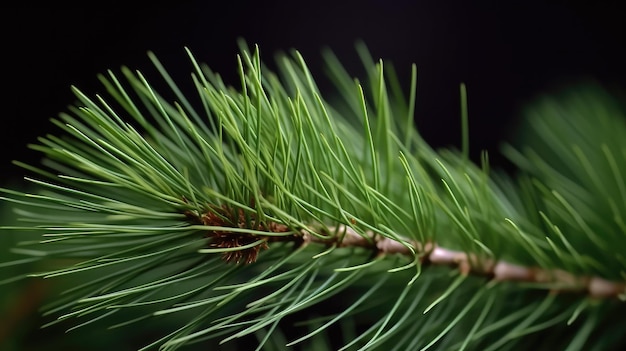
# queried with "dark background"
point(506, 54)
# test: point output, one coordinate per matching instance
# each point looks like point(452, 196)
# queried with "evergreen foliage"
point(265, 215)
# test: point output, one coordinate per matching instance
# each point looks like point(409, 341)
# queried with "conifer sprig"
point(234, 214)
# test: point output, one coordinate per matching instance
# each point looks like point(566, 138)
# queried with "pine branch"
point(248, 246)
point(233, 214)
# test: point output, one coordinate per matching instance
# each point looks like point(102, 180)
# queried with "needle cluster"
point(356, 223)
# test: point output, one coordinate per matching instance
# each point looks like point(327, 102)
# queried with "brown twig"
point(429, 252)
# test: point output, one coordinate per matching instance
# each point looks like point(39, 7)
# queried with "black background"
point(506, 54)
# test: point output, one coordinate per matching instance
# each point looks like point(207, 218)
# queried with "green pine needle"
point(239, 210)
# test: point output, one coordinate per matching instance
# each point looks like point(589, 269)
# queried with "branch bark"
point(429, 252)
